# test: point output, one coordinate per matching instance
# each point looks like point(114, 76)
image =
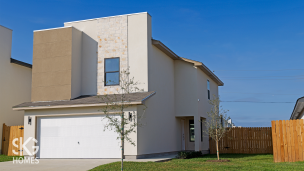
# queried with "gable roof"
point(86, 101)
point(299, 106)
point(200, 65)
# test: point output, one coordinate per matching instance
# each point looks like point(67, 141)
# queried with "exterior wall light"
point(30, 120)
point(130, 116)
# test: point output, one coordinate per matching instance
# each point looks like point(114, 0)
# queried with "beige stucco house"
point(298, 111)
point(71, 67)
point(15, 82)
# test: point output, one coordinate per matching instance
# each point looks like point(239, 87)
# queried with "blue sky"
point(255, 46)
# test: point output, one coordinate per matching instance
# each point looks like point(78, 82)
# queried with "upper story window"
point(111, 71)
point(208, 87)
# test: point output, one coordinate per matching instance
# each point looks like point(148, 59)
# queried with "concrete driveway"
point(57, 165)
point(72, 164)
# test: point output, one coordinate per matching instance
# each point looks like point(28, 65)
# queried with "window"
point(208, 87)
point(191, 130)
point(222, 121)
point(111, 71)
point(201, 130)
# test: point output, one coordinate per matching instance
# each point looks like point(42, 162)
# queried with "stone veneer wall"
point(112, 33)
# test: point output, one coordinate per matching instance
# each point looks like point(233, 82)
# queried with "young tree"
point(116, 104)
point(217, 122)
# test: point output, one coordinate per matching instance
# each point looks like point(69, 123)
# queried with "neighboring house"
point(298, 111)
point(70, 66)
point(15, 84)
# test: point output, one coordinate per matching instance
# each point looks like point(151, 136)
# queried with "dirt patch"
point(218, 161)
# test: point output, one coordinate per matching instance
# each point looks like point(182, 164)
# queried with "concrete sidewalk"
point(71, 164)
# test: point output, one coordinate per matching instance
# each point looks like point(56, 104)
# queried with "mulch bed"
point(218, 160)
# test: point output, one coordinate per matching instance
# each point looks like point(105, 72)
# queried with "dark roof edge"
point(293, 112)
point(6, 27)
point(14, 61)
point(165, 49)
point(143, 100)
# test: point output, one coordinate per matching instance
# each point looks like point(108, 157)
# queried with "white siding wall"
point(161, 131)
point(76, 63)
point(185, 89)
point(88, 55)
point(139, 35)
point(203, 105)
point(15, 83)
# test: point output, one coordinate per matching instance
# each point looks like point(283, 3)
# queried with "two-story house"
point(78, 59)
point(15, 83)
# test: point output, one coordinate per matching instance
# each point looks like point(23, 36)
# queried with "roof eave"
point(293, 114)
point(14, 61)
point(139, 102)
point(200, 65)
point(205, 69)
point(71, 106)
point(165, 49)
point(211, 74)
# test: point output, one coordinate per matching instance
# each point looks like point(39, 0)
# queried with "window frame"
point(208, 89)
point(105, 73)
point(190, 130)
point(202, 130)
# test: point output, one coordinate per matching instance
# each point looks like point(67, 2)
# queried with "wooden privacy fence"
point(288, 140)
point(244, 140)
point(9, 133)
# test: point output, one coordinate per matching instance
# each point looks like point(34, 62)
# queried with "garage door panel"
point(77, 137)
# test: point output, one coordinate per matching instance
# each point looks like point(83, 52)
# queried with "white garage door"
point(76, 137)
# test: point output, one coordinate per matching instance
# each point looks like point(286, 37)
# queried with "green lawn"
point(4, 158)
point(238, 162)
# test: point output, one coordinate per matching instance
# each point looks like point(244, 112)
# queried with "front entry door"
point(183, 134)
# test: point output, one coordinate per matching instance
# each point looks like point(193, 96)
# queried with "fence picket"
point(274, 139)
point(302, 136)
point(285, 141)
point(245, 140)
point(296, 144)
point(299, 140)
point(288, 141)
point(281, 141)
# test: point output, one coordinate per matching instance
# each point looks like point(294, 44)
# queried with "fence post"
point(302, 136)
point(288, 141)
point(274, 140)
point(2, 140)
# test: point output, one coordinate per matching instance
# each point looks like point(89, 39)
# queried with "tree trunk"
point(122, 139)
point(217, 150)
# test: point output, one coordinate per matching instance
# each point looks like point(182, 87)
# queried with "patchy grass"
point(4, 158)
point(237, 162)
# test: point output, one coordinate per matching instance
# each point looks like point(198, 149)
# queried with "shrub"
point(189, 154)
